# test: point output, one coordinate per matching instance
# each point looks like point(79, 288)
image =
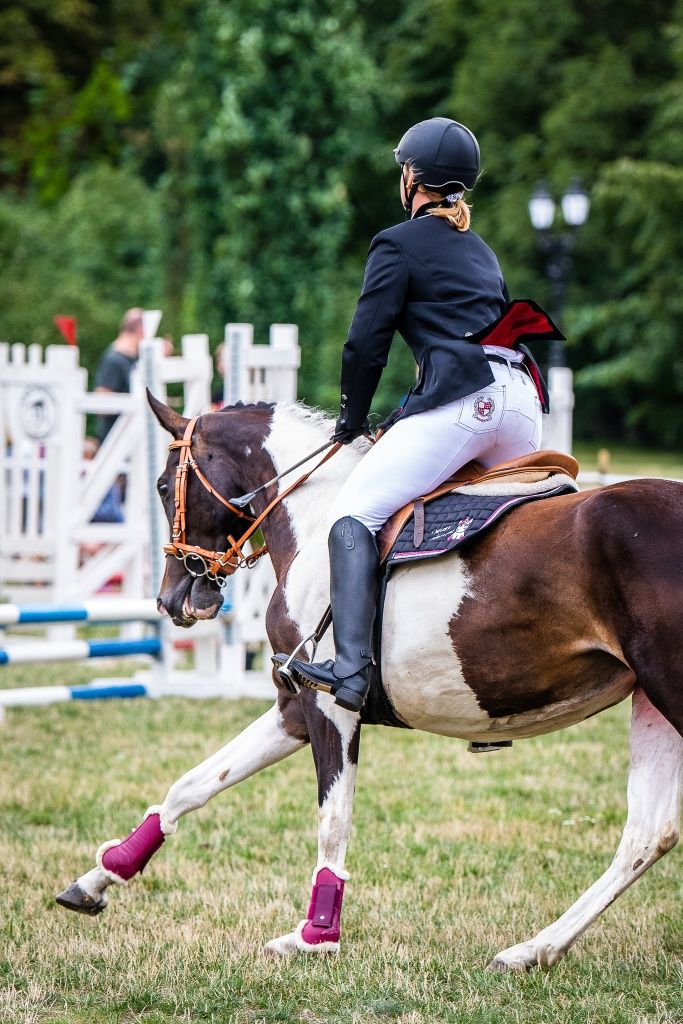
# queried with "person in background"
point(116, 365)
point(217, 390)
point(109, 510)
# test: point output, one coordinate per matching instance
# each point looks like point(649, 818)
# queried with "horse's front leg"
point(335, 739)
point(278, 733)
point(655, 786)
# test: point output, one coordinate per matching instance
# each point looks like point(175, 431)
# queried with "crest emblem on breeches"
point(484, 407)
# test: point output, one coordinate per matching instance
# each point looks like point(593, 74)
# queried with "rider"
point(437, 283)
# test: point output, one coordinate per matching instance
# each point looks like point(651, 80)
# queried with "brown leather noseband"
point(217, 564)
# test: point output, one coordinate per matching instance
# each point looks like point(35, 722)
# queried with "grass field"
point(453, 858)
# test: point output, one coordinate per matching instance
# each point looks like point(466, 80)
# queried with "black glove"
point(390, 420)
point(345, 435)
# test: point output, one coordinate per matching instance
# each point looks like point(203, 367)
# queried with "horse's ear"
point(170, 420)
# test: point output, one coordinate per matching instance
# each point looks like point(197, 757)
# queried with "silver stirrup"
point(284, 671)
point(485, 748)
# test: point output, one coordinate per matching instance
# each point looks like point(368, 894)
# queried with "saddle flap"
point(527, 469)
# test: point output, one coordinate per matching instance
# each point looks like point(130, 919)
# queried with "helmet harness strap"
point(410, 192)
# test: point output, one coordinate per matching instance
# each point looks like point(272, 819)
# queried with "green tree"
point(566, 90)
point(232, 162)
point(261, 124)
point(77, 81)
point(93, 257)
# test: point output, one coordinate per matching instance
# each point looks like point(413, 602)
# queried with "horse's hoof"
point(74, 898)
point(284, 945)
point(526, 956)
point(500, 965)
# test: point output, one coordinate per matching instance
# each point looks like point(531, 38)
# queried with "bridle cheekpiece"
point(219, 565)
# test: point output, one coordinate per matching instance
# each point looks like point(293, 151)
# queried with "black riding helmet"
point(442, 154)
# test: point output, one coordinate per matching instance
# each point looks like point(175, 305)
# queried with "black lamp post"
point(557, 246)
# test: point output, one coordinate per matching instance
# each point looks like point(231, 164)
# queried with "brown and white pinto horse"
point(569, 606)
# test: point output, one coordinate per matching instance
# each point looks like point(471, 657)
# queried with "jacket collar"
point(426, 208)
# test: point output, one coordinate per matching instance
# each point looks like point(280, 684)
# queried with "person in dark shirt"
point(116, 365)
point(439, 285)
point(218, 389)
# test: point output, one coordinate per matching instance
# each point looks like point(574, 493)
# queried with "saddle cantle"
point(496, 485)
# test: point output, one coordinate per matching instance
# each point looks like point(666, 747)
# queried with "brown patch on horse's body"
point(570, 627)
point(643, 547)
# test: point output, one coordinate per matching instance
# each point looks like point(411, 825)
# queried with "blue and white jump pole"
point(76, 650)
point(201, 683)
point(100, 610)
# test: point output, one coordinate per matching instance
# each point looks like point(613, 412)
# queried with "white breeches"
point(500, 422)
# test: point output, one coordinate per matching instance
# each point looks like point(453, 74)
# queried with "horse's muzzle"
point(187, 600)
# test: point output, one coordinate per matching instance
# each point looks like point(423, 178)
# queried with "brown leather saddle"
point(528, 469)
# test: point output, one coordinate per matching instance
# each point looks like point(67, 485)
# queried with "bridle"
point(218, 565)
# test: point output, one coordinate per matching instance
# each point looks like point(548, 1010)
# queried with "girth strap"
point(418, 521)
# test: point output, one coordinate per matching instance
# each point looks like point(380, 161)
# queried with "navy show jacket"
point(434, 285)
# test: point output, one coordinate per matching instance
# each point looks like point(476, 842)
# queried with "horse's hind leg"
point(655, 785)
point(264, 742)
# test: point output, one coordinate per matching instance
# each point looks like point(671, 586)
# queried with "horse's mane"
point(308, 415)
point(246, 405)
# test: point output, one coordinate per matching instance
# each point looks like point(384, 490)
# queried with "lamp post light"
point(557, 249)
point(557, 246)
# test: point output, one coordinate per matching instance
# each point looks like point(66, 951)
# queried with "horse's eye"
point(162, 487)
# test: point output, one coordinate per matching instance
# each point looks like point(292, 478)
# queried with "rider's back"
point(455, 284)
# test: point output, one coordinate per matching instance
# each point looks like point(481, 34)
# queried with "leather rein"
point(219, 565)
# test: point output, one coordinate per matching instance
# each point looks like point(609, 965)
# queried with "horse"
point(567, 607)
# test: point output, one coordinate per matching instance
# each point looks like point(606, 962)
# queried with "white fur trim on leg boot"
point(294, 942)
point(111, 875)
point(165, 827)
point(169, 828)
point(334, 868)
point(313, 947)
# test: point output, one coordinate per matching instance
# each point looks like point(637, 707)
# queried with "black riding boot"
point(354, 581)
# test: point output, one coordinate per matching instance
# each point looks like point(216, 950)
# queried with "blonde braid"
point(458, 215)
